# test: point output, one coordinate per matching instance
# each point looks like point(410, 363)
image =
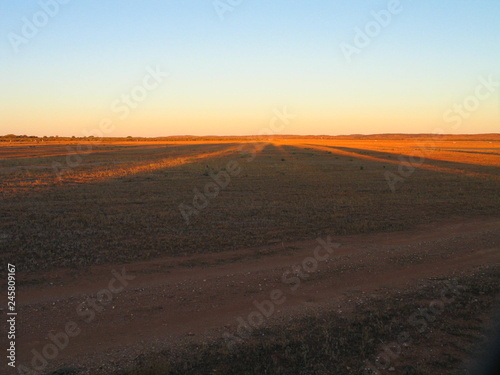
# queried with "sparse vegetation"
point(337, 344)
point(119, 203)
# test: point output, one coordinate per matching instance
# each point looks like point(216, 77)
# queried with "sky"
point(229, 67)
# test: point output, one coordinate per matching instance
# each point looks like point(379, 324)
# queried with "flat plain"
point(209, 228)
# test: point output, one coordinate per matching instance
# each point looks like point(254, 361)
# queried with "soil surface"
point(172, 301)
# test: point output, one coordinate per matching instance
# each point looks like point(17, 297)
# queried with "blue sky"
point(227, 76)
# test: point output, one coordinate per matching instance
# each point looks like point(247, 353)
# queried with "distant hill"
point(194, 138)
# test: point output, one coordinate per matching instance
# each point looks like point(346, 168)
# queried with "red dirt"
point(174, 300)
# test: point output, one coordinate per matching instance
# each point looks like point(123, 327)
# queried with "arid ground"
point(281, 255)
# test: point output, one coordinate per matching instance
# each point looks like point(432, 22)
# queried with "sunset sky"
point(229, 70)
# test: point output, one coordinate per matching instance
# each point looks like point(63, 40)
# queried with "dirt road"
point(113, 313)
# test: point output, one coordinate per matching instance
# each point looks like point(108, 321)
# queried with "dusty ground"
point(117, 208)
point(174, 300)
point(121, 201)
